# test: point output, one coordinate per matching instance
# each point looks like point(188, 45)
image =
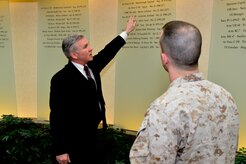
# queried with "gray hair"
point(69, 44)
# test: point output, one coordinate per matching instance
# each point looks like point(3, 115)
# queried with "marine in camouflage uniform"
point(194, 121)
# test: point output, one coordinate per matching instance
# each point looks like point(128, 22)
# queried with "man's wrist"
point(124, 35)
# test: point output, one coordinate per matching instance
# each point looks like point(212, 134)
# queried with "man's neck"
point(176, 73)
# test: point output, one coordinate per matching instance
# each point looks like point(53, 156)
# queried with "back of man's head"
point(182, 42)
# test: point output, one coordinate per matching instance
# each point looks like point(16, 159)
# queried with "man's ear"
point(73, 55)
point(164, 58)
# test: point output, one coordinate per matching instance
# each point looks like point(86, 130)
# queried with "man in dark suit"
point(76, 99)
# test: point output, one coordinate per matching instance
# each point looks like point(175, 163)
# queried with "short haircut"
point(182, 42)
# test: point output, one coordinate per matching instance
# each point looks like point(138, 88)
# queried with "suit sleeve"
point(57, 113)
point(107, 53)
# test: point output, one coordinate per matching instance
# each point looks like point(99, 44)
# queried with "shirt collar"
point(188, 78)
point(80, 67)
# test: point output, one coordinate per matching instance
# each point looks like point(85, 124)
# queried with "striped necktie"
point(88, 74)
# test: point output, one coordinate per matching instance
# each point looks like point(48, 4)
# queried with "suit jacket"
point(74, 109)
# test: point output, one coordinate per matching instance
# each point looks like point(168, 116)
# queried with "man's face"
point(83, 52)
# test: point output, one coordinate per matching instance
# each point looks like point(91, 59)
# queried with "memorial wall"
point(31, 32)
point(57, 20)
point(7, 77)
point(227, 56)
point(140, 77)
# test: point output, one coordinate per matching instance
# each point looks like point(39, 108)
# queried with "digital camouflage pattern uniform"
point(194, 121)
